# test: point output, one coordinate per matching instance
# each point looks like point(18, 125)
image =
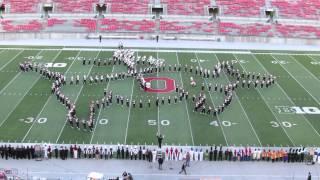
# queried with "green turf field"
point(285, 114)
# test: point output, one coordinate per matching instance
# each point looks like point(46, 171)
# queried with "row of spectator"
point(299, 9)
point(151, 154)
point(173, 27)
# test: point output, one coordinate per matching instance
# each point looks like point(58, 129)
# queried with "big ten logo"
point(55, 65)
point(297, 110)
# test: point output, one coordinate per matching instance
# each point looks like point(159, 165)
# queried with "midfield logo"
point(297, 110)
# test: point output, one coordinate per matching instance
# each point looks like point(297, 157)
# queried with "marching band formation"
point(138, 67)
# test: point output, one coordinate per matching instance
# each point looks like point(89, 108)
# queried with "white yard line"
point(7, 85)
point(245, 113)
point(307, 120)
point(224, 135)
point(128, 120)
point(258, 90)
point(6, 118)
point(98, 117)
point(159, 128)
point(287, 96)
point(80, 90)
point(129, 113)
point(185, 102)
point(126, 135)
point(307, 70)
point(13, 59)
point(297, 80)
point(310, 56)
point(33, 123)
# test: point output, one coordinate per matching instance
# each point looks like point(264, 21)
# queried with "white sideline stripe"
point(6, 118)
point(180, 175)
point(75, 101)
point(126, 134)
point(266, 102)
point(166, 50)
point(245, 113)
point(98, 117)
point(33, 123)
point(192, 138)
point(12, 59)
point(287, 95)
point(224, 135)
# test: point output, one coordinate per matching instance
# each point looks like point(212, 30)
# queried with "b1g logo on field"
point(169, 84)
point(297, 110)
point(55, 65)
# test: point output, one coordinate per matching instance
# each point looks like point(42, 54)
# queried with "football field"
point(287, 113)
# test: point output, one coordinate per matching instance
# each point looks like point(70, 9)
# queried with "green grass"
point(29, 113)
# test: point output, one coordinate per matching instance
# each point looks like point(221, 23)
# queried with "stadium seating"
point(252, 29)
point(74, 6)
point(129, 6)
point(54, 21)
point(22, 6)
point(298, 9)
point(89, 24)
point(186, 7)
point(21, 26)
point(296, 31)
point(114, 25)
point(244, 8)
point(186, 27)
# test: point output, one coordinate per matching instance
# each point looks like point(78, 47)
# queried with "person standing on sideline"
point(100, 38)
point(187, 159)
point(309, 176)
point(183, 168)
point(160, 138)
point(160, 162)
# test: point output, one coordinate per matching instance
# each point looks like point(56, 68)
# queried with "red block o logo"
point(169, 84)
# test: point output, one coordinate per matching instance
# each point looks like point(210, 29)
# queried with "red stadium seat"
point(299, 9)
point(244, 8)
point(114, 25)
point(186, 7)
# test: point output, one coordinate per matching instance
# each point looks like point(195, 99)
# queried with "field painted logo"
point(297, 110)
point(55, 65)
point(169, 84)
point(33, 57)
point(280, 62)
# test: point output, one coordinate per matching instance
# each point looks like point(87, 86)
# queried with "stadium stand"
point(180, 19)
point(74, 6)
point(114, 25)
point(195, 27)
point(89, 24)
point(129, 6)
point(299, 9)
point(186, 7)
point(22, 6)
point(242, 8)
point(297, 31)
point(21, 25)
point(245, 29)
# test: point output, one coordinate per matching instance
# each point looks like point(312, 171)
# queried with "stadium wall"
point(219, 38)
